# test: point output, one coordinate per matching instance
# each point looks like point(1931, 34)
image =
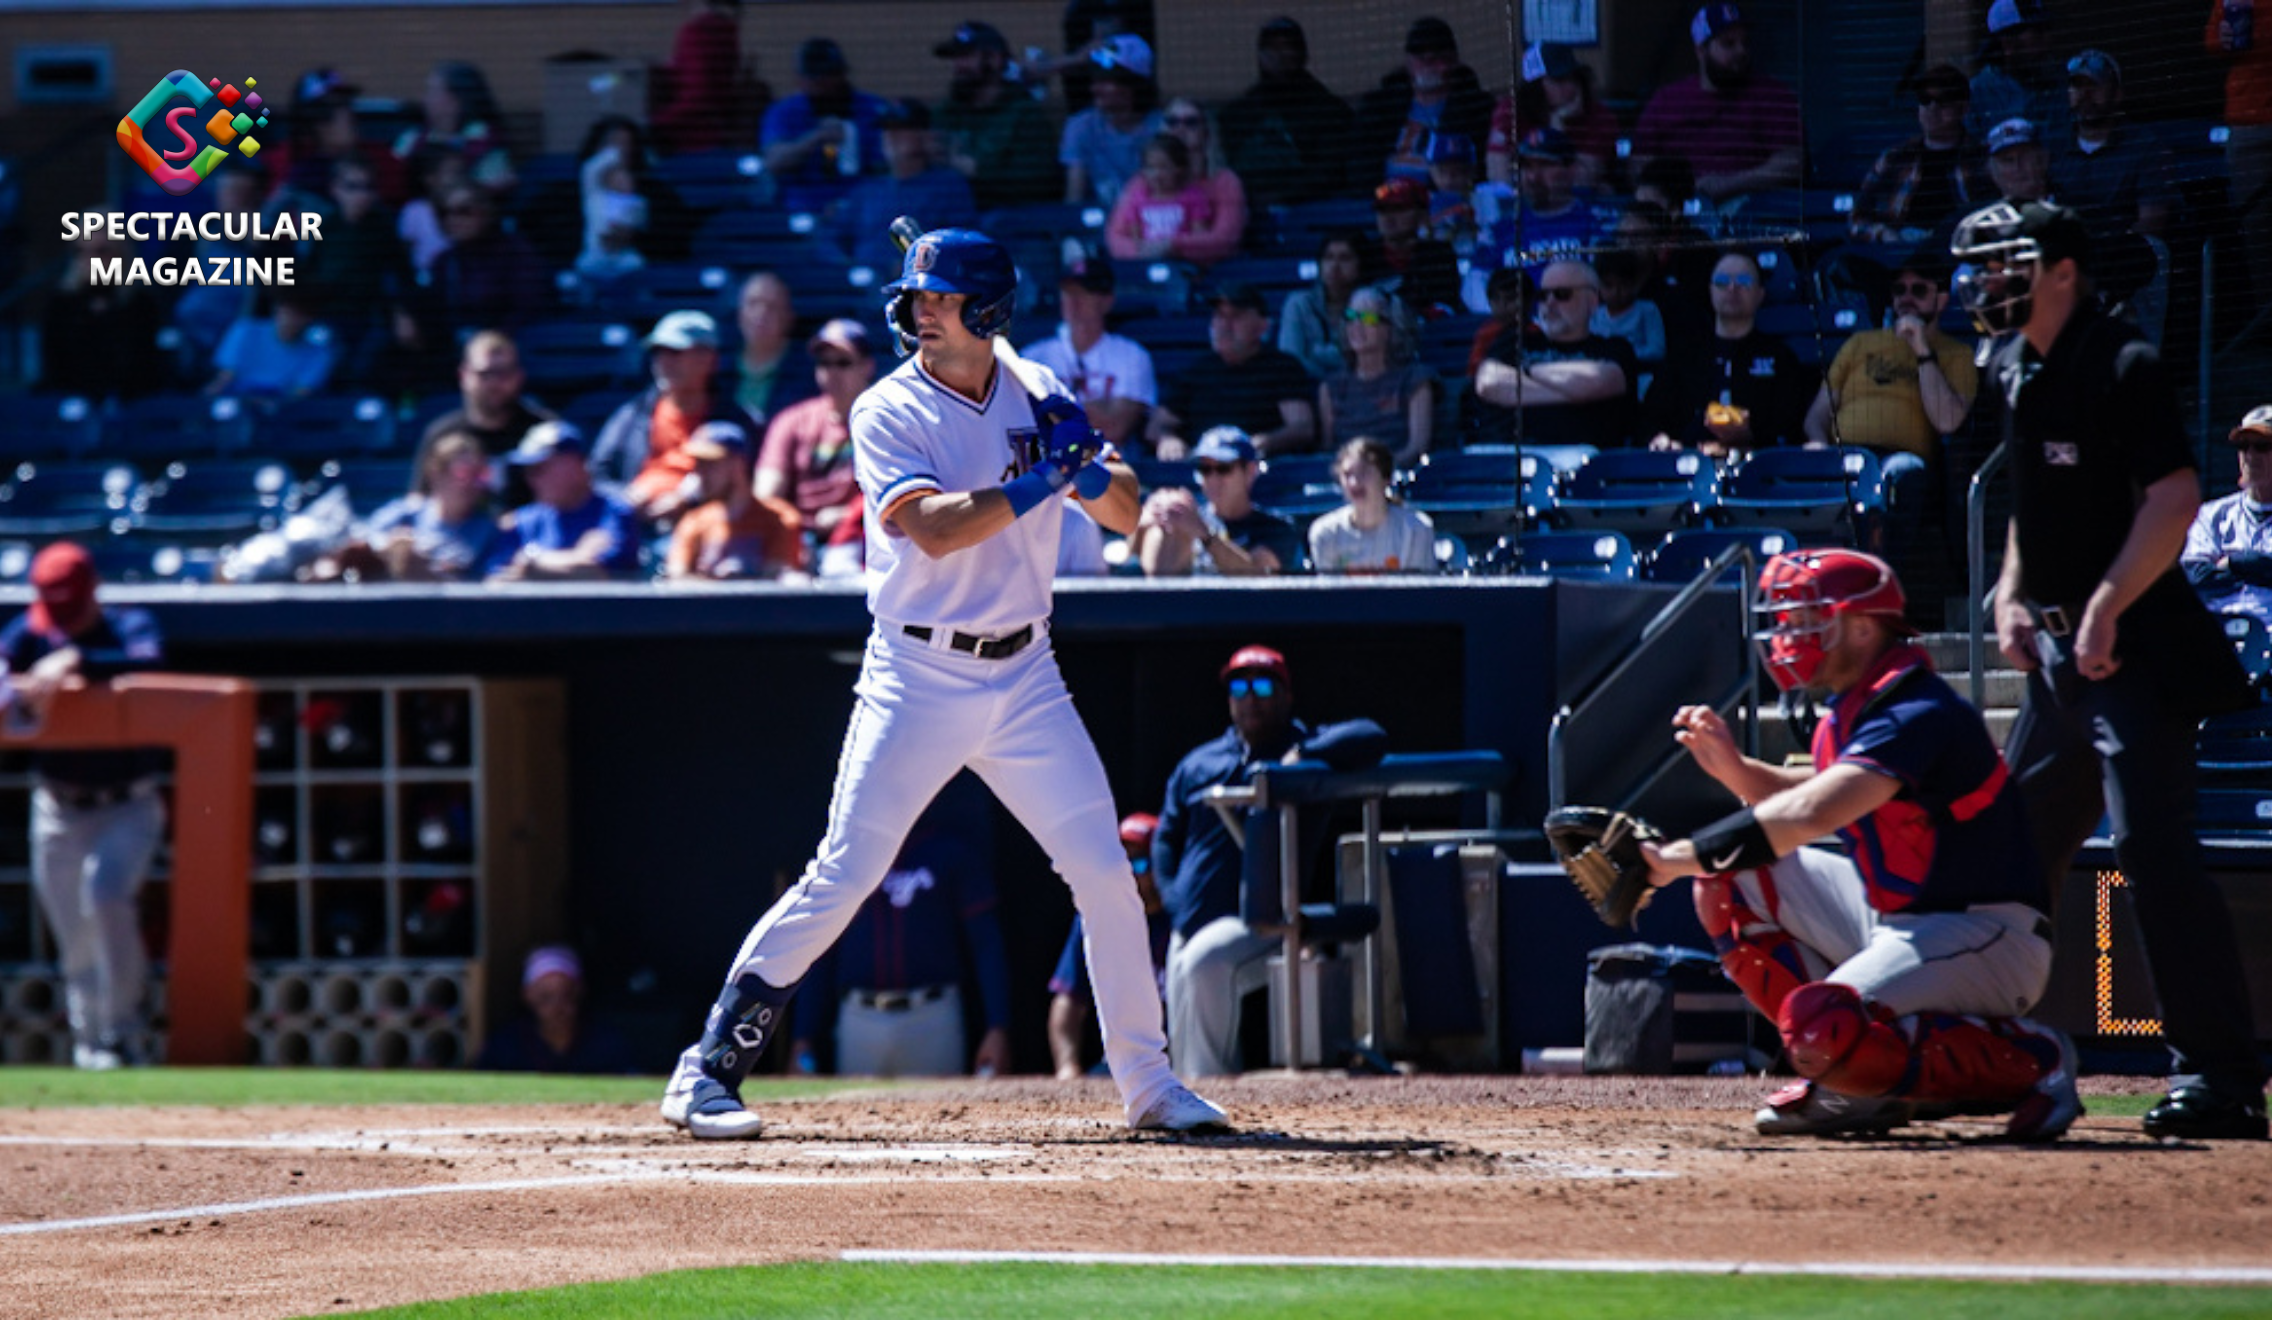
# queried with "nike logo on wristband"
point(1727, 861)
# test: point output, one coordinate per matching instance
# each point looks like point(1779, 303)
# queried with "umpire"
point(2123, 661)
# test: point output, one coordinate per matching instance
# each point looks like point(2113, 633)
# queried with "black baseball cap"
point(907, 112)
point(2059, 233)
point(1282, 28)
point(1240, 295)
point(1092, 273)
point(972, 35)
point(1430, 36)
point(819, 57)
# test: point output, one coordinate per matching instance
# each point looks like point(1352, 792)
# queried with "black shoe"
point(2195, 1113)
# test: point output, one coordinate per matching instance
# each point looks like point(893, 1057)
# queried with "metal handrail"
point(1976, 564)
point(1651, 634)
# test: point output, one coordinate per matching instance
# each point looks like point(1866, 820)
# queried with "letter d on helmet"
point(960, 261)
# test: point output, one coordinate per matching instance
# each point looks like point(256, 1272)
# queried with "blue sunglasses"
point(1261, 688)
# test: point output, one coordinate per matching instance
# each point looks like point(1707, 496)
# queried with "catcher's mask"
point(1804, 594)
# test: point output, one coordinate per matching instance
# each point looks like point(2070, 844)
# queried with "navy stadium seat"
point(140, 559)
point(1276, 274)
point(1638, 490)
point(712, 180)
point(370, 482)
point(566, 356)
point(1299, 228)
point(2252, 642)
point(1481, 492)
point(647, 293)
point(1685, 553)
point(45, 426)
point(324, 426)
point(67, 499)
point(1445, 345)
point(226, 499)
point(1297, 486)
point(1597, 554)
point(164, 426)
point(1826, 493)
point(1160, 473)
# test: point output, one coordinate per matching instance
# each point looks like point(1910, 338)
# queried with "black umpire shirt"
point(2093, 424)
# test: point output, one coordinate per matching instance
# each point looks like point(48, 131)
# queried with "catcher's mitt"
point(1601, 849)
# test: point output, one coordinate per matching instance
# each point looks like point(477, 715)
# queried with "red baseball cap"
point(1256, 660)
point(64, 575)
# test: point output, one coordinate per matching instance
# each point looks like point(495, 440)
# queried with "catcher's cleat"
point(1178, 1110)
point(1806, 1110)
point(2052, 1107)
point(706, 1107)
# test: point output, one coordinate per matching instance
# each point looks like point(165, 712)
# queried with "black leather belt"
point(897, 1001)
point(985, 648)
point(2058, 620)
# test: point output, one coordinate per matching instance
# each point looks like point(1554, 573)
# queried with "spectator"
point(772, 373)
point(700, 105)
point(2228, 550)
point(444, 529)
point(1228, 537)
point(1167, 211)
point(1932, 179)
point(642, 448)
point(1382, 392)
point(1423, 272)
point(1738, 130)
point(555, 220)
point(806, 461)
point(1244, 383)
point(1624, 313)
point(1667, 183)
point(2019, 78)
point(419, 225)
point(1557, 91)
point(1213, 957)
point(357, 274)
point(1452, 200)
point(205, 313)
point(997, 134)
point(730, 532)
point(491, 407)
point(488, 278)
point(1573, 387)
point(1897, 392)
point(462, 120)
point(99, 340)
point(1309, 325)
point(97, 817)
point(890, 990)
point(554, 1036)
point(2110, 170)
point(2231, 39)
point(1288, 134)
point(1509, 293)
point(1225, 195)
point(323, 132)
point(1748, 391)
point(914, 183)
point(1372, 532)
point(571, 530)
point(2018, 163)
point(1111, 375)
point(1432, 93)
point(287, 354)
point(1072, 1002)
point(1088, 25)
point(1677, 263)
point(615, 216)
point(1552, 221)
point(821, 139)
point(1104, 145)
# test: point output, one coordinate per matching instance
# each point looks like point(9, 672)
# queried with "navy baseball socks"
point(705, 1091)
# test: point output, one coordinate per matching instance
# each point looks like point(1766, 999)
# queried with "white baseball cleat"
point(706, 1107)
point(1807, 1110)
point(2052, 1107)
point(1178, 1110)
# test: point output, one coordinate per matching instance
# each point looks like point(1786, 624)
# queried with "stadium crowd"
point(1518, 295)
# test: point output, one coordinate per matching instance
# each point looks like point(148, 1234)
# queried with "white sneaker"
point(2052, 1107)
point(1178, 1110)
point(95, 1058)
point(1807, 1110)
point(706, 1107)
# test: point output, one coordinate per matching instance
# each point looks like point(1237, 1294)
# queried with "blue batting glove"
point(1092, 481)
point(1056, 409)
point(1072, 442)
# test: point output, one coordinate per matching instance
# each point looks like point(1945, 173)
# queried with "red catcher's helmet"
point(1827, 584)
point(1138, 827)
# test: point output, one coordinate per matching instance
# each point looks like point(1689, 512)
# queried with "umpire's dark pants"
point(2115, 747)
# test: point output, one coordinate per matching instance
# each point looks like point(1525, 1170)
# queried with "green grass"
point(56, 1088)
point(1033, 1291)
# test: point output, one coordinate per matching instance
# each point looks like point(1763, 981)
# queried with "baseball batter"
point(1897, 973)
point(964, 478)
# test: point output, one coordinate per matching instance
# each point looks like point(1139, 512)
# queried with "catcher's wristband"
point(1735, 842)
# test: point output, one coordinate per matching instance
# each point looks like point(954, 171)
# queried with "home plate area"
point(275, 1211)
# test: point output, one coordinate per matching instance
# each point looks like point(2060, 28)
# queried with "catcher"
point(1898, 972)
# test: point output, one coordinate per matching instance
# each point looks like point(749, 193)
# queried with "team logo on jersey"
point(921, 257)
point(1025, 451)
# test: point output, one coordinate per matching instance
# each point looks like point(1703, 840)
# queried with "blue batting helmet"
point(960, 261)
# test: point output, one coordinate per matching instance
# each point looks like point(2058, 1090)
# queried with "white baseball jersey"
point(1115, 367)
point(911, 433)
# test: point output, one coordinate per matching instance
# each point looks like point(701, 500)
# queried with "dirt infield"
point(267, 1212)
